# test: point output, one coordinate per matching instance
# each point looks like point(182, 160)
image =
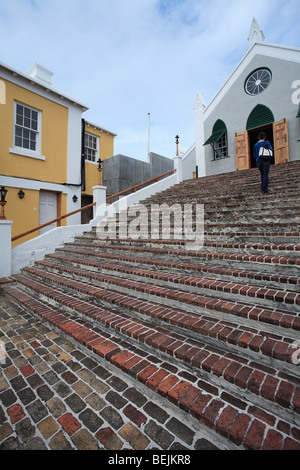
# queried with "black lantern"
point(21, 194)
point(99, 161)
point(75, 198)
point(3, 192)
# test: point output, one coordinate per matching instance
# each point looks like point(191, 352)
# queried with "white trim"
point(101, 129)
point(17, 77)
point(5, 247)
point(35, 185)
point(97, 153)
point(23, 150)
point(26, 153)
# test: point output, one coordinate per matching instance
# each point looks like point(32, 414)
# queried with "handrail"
point(51, 222)
point(156, 178)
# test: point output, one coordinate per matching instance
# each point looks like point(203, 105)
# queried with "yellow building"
point(44, 163)
point(98, 144)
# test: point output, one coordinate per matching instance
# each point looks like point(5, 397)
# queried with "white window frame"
point(221, 147)
point(96, 149)
point(19, 150)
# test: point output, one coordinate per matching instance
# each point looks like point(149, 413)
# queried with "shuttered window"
point(218, 140)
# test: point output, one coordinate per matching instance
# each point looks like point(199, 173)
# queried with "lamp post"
point(177, 142)
point(99, 161)
point(3, 192)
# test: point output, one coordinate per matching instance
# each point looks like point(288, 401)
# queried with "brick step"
point(130, 328)
point(221, 203)
point(246, 374)
point(267, 263)
point(290, 250)
point(213, 206)
point(235, 421)
point(99, 259)
point(238, 195)
point(264, 237)
point(226, 337)
point(271, 320)
point(235, 210)
point(269, 227)
point(261, 295)
point(249, 180)
point(233, 224)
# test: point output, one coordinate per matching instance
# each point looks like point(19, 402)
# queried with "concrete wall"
point(121, 172)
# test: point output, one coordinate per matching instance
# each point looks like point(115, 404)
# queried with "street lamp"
point(99, 161)
point(3, 192)
point(177, 142)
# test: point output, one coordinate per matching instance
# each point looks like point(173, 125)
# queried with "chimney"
point(40, 74)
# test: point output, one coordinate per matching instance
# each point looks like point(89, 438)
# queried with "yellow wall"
point(25, 212)
point(106, 150)
point(54, 135)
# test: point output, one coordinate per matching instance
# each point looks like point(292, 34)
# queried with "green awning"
point(215, 136)
point(298, 115)
point(259, 116)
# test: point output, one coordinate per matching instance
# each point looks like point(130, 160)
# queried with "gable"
point(277, 58)
point(233, 104)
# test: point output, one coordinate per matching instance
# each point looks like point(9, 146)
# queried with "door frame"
point(280, 142)
point(57, 204)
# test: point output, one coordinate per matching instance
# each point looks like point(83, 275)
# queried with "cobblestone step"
point(200, 323)
point(162, 249)
point(55, 396)
point(99, 260)
point(244, 425)
point(209, 337)
point(174, 283)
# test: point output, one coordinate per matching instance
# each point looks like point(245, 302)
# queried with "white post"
point(99, 196)
point(199, 108)
point(178, 167)
point(5, 247)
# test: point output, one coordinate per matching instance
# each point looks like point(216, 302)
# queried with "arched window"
point(259, 116)
point(218, 140)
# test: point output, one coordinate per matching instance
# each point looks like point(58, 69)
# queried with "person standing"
point(263, 162)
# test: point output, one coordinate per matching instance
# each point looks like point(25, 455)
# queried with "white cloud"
point(125, 58)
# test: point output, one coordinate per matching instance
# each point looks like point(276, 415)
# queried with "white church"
point(261, 94)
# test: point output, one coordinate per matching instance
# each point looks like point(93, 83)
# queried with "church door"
point(242, 151)
point(281, 141)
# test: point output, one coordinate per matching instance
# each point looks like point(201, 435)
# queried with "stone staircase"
point(214, 331)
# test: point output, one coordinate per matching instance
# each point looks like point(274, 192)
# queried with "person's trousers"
point(264, 168)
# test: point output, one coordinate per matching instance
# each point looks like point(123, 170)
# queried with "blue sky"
point(127, 58)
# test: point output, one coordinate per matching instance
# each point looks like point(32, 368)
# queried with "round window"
point(258, 81)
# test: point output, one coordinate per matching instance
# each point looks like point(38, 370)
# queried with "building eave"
point(100, 128)
point(26, 78)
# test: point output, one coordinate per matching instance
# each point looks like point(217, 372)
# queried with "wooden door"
point(48, 209)
point(281, 141)
point(242, 151)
